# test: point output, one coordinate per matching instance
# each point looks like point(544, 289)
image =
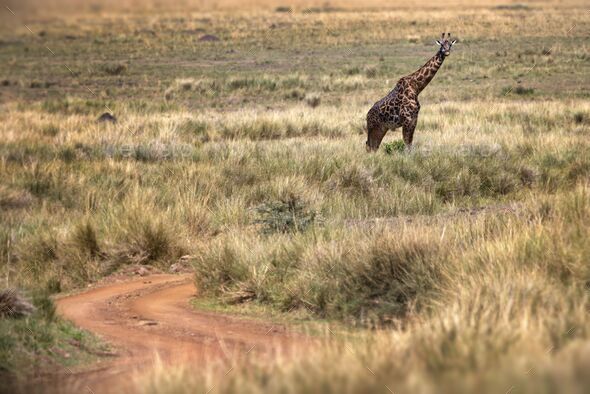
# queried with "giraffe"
point(400, 107)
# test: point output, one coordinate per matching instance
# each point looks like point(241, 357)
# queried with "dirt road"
point(149, 319)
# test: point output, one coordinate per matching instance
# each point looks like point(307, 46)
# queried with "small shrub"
point(313, 100)
point(355, 70)
point(521, 90)
point(295, 94)
point(581, 118)
point(209, 38)
point(114, 69)
point(289, 214)
point(283, 9)
point(394, 146)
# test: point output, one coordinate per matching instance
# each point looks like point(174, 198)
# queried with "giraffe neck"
point(422, 77)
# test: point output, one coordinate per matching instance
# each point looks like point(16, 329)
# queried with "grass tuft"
point(146, 241)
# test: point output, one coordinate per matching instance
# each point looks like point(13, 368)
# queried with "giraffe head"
point(445, 44)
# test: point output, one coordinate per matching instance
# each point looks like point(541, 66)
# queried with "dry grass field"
point(461, 266)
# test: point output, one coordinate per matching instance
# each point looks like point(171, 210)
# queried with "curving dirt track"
point(149, 319)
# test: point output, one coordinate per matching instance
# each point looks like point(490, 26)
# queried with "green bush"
point(394, 146)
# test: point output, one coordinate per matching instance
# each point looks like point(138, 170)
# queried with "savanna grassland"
point(462, 265)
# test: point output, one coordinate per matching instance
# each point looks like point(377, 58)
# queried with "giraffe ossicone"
point(400, 107)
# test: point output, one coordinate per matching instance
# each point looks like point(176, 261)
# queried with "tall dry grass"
point(466, 257)
point(95, 196)
point(507, 309)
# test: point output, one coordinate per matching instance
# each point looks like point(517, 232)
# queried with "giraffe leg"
point(409, 126)
point(376, 132)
